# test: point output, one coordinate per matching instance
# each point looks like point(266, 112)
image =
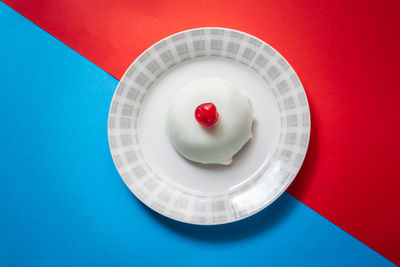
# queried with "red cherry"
point(206, 114)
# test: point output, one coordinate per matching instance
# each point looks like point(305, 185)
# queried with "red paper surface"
point(346, 54)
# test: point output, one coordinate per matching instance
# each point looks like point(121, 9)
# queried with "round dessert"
point(209, 121)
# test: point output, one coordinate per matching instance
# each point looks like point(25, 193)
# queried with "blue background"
point(62, 201)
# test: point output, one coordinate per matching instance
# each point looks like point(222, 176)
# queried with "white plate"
point(209, 194)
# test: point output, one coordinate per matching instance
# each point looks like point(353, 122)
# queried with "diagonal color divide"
point(346, 57)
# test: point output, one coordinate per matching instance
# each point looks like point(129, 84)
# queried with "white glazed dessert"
point(214, 141)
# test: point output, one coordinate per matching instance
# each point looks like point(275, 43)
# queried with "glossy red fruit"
point(206, 114)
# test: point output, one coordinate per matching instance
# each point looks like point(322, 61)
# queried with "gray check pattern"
point(271, 180)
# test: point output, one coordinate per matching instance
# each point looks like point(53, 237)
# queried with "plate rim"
point(264, 204)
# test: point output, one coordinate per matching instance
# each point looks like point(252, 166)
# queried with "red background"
point(346, 54)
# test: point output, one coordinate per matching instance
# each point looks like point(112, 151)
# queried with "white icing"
point(216, 144)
